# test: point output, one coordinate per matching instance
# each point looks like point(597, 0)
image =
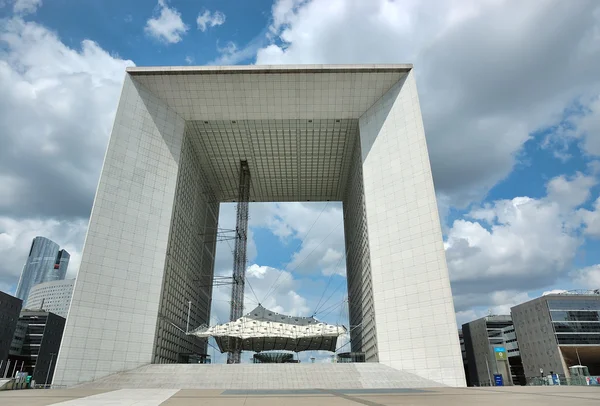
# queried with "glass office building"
point(46, 262)
point(559, 331)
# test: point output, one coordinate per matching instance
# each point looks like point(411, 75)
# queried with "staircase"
point(262, 376)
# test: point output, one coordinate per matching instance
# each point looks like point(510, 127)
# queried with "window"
point(574, 304)
point(582, 338)
point(575, 315)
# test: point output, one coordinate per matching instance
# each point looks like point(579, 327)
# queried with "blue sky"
point(510, 100)
point(115, 26)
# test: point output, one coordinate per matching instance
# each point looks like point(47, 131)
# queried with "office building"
point(483, 340)
point(307, 133)
point(558, 331)
point(54, 297)
point(10, 307)
point(46, 262)
point(36, 343)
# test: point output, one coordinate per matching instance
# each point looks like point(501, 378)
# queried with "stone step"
point(263, 376)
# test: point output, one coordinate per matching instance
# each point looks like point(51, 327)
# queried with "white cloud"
point(282, 298)
point(553, 292)
point(583, 126)
point(62, 101)
point(166, 25)
point(591, 219)
point(56, 109)
point(589, 125)
point(496, 303)
point(26, 6)
point(588, 277)
point(207, 19)
point(230, 54)
point(573, 192)
point(276, 289)
point(483, 89)
point(516, 245)
point(526, 239)
point(319, 227)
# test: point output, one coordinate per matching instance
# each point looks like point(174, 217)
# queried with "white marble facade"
point(313, 132)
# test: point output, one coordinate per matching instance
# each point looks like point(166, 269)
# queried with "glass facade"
point(574, 304)
point(578, 339)
point(60, 267)
point(575, 327)
point(576, 322)
point(573, 315)
point(46, 262)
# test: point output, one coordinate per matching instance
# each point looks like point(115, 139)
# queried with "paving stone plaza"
point(530, 395)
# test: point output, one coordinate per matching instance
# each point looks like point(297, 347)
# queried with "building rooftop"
point(170, 70)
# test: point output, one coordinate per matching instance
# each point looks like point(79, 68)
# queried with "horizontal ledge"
point(264, 69)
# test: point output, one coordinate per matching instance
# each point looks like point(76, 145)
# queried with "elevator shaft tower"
point(239, 255)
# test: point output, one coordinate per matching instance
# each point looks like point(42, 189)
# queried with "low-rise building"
point(10, 307)
point(54, 297)
point(36, 343)
point(559, 331)
point(483, 340)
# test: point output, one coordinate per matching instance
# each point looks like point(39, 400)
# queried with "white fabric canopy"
point(264, 330)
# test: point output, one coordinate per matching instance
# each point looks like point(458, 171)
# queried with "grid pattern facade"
point(363, 334)
point(54, 297)
point(547, 327)
point(535, 334)
point(289, 160)
point(310, 92)
point(114, 310)
point(576, 321)
point(134, 273)
point(415, 319)
point(189, 262)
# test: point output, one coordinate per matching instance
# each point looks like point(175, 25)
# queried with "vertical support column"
point(114, 310)
point(188, 274)
point(363, 334)
point(415, 319)
point(239, 256)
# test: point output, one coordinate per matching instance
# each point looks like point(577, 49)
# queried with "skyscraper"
point(46, 262)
